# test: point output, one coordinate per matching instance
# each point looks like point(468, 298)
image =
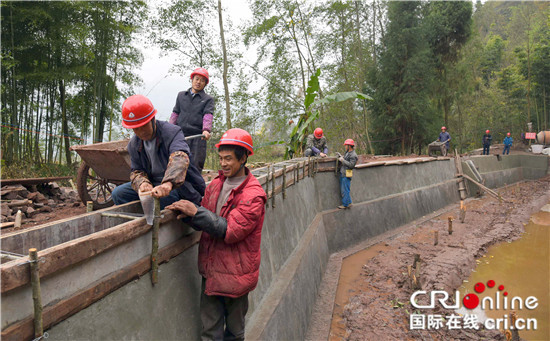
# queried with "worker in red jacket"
point(231, 218)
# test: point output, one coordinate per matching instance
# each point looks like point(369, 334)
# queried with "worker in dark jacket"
point(159, 158)
point(231, 219)
point(444, 136)
point(487, 138)
point(508, 140)
point(346, 172)
point(193, 112)
point(316, 144)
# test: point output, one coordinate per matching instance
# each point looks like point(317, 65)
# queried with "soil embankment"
point(375, 303)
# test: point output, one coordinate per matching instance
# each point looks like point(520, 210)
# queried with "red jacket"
point(231, 265)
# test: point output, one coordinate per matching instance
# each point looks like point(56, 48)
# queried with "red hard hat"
point(487, 131)
point(508, 134)
point(237, 137)
point(318, 133)
point(349, 142)
point(443, 128)
point(137, 110)
point(201, 72)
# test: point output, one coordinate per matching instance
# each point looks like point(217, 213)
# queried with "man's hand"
point(341, 159)
point(323, 154)
point(206, 135)
point(184, 207)
point(162, 190)
point(145, 187)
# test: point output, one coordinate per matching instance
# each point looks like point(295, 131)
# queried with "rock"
point(52, 203)
point(30, 212)
point(14, 192)
point(54, 185)
point(45, 209)
point(3, 218)
point(5, 210)
point(76, 204)
point(37, 197)
point(37, 205)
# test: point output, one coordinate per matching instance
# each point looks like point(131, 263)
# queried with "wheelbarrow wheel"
point(93, 188)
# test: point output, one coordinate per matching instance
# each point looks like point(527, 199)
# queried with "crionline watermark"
point(471, 301)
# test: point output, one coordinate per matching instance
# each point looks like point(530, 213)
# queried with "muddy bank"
point(377, 306)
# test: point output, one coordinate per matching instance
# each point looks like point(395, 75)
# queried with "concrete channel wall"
point(302, 228)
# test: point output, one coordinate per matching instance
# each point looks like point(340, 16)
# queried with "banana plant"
point(304, 125)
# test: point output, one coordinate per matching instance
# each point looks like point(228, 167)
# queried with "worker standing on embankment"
point(159, 158)
point(193, 113)
point(508, 140)
point(346, 172)
point(486, 140)
point(231, 218)
point(444, 136)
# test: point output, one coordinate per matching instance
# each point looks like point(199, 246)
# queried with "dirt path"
point(376, 305)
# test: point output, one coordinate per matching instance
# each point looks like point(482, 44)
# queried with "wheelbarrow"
point(104, 166)
point(437, 147)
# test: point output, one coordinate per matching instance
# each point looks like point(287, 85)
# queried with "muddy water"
point(349, 284)
point(523, 268)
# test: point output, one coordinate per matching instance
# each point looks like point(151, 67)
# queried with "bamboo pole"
point(119, 215)
point(284, 182)
point(485, 188)
point(155, 245)
point(36, 295)
point(273, 186)
point(18, 219)
point(89, 206)
point(450, 219)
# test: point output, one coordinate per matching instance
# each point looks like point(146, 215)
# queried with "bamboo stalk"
point(485, 188)
point(273, 186)
point(18, 219)
point(284, 182)
point(155, 245)
point(119, 215)
point(89, 206)
point(36, 294)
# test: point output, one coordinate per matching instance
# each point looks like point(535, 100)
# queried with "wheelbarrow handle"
point(187, 138)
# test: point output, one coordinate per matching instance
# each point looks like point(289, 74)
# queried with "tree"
point(401, 107)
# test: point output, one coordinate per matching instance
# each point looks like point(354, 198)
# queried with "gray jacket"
point(350, 159)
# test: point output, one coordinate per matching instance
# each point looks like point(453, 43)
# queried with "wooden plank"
point(33, 181)
point(7, 224)
point(16, 273)
point(63, 309)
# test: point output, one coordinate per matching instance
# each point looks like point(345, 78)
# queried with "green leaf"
point(342, 96)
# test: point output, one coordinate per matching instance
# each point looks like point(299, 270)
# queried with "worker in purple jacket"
point(193, 112)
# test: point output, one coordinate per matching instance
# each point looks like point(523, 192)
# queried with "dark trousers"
point(222, 317)
point(506, 150)
point(486, 148)
point(198, 152)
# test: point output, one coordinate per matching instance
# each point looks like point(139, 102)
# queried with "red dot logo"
point(479, 287)
point(491, 283)
point(505, 293)
point(501, 287)
point(470, 301)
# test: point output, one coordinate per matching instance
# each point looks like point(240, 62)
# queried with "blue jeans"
point(506, 150)
point(125, 193)
point(345, 184)
point(486, 149)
